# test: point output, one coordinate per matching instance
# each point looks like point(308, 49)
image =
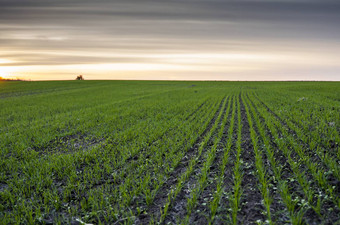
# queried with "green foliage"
point(115, 152)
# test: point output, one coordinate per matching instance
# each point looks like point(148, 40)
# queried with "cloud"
point(46, 32)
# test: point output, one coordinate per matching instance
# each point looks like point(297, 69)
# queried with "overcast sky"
point(172, 39)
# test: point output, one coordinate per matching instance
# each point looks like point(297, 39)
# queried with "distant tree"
point(80, 77)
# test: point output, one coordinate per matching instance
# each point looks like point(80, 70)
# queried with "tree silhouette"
point(80, 77)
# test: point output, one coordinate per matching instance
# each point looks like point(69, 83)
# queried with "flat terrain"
point(148, 152)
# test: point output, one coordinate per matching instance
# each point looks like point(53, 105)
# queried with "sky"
point(170, 40)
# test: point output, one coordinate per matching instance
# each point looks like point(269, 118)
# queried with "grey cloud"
point(43, 59)
point(177, 10)
point(194, 19)
point(153, 26)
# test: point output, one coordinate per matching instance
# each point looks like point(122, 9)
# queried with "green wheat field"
point(169, 152)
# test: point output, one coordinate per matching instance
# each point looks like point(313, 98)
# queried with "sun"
point(6, 72)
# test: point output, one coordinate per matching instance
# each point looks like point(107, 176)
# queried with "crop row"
point(169, 153)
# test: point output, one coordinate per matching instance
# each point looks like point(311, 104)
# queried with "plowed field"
point(149, 152)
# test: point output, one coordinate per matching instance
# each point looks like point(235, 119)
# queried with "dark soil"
point(277, 208)
point(179, 206)
point(202, 211)
point(153, 211)
point(251, 206)
point(311, 217)
point(330, 149)
point(224, 206)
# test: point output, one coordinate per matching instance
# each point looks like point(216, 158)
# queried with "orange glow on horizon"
point(239, 65)
point(6, 72)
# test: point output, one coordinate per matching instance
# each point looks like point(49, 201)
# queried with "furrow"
point(252, 207)
point(323, 153)
point(326, 180)
point(140, 187)
point(236, 193)
point(156, 209)
point(310, 196)
point(280, 171)
point(188, 183)
point(138, 157)
point(158, 138)
point(275, 209)
point(219, 206)
point(201, 210)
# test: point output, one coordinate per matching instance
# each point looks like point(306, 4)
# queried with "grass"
point(150, 152)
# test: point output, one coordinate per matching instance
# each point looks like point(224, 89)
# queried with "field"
point(149, 152)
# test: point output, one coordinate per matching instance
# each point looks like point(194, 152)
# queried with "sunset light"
point(170, 112)
point(184, 40)
point(8, 72)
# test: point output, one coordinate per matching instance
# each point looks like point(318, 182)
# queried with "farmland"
point(148, 152)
